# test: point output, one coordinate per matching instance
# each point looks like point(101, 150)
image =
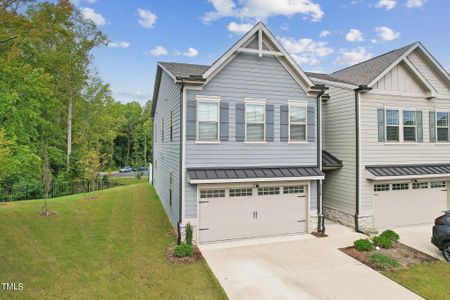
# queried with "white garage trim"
point(370, 176)
point(251, 180)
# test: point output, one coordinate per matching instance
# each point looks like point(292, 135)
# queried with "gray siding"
point(339, 188)
point(248, 76)
point(166, 155)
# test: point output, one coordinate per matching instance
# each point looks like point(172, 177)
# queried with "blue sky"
point(322, 35)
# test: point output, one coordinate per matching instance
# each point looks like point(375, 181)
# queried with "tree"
point(46, 182)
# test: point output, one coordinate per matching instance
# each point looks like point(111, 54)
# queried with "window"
point(255, 116)
point(419, 185)
point(392, 125)
point(437, 184)
point(268, 191)
point(400, 186)
point(208, 121)
point(212, 194)
point(296, 189)
point(442, 126)
point(297, 123)
point(162, 130)
point(409, 126)
point(170, 189)
point(381, 187)
point(171, 126)
point(241, 192)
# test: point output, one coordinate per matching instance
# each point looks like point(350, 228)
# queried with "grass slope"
point(431, 281)
point(108, 248)
point(129, 180)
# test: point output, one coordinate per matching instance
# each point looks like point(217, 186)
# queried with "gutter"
point(180, 205)
point(361, 88)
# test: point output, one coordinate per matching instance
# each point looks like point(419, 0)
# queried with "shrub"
point(363, 245)
point(383, 261)
point(189, 233)
point(391, 234)
point(382, 242)
point(183, 250)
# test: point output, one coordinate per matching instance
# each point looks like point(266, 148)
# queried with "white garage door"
point(243, 212)
point(401, 204)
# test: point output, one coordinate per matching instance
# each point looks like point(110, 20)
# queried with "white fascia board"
point(419, 76)
point(347, 86)
point(435, 62)
point(167, 71)
point(236, 180)
point(370, 176)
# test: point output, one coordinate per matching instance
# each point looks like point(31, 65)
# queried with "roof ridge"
point(181, 63)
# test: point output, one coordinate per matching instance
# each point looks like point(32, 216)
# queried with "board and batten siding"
point(249, 76)
point(380, 153)
point(166, 154)
point(400, 79)
point(339, 188)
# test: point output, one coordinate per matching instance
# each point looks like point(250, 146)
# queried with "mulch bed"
point(405, 255)
point(196, 256)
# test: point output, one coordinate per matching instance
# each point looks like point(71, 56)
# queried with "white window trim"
point(303, 105)
point(436, 127)
point(252, 101)
point(409, 126)
point(204, 99)
point(400, 126)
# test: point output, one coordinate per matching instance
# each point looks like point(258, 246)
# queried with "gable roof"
point(184, 71)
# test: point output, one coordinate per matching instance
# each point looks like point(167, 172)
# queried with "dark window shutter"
point(224, 121)
point(381, 134)
point(432, 127)
point(311, 123)
point(240, 122)
point(191, 121)
point(269, 123)
point(419, 118)
point(284, 122)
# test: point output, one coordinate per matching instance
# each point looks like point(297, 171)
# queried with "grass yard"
point(130, 180)
point(431, 280)
point(108, 248)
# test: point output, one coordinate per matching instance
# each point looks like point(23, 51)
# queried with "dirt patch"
point(48, 214)
point(196, 256)
point(319, 234)
point(404, 255)
point(91, 197)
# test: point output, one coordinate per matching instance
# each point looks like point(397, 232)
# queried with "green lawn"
point(431, 281)
point(129, 180)
point(108, 248)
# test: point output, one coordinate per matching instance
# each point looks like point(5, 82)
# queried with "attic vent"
point(326, 99)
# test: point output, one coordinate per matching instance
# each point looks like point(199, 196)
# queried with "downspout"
point(361, 88)
point(320, 218)
point(180, 200)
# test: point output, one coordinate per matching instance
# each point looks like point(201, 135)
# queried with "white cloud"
point(191, 52)
point(147, 19)
point(351, 57)
point(387, 4)
point(90, 14)
point(324, 33)
point(386, 33)
point(414, 3)
point(262, 9)
point(158, 51)
point(354, 35)
point(129, 96)
point(239, 28)
point(116, 44)
point(284, 26)
point(306, 51)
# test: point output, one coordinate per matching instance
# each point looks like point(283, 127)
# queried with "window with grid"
point(212, 194)
point(208, 121)
point(381, 187)
point(400, 186)
point(392, 125)
point(241, 192)
point(419, 185)
point(295, 189)
point(442, 126)
point(297, 123)
point(409, 126)
point(437, 184)
point(268, 191)
point(255, 116)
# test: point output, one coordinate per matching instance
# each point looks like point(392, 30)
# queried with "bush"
point(382, 242)
point(383, 261)
point(183, 250)
point(189, 233)
point(391, 234)
point(363, 245)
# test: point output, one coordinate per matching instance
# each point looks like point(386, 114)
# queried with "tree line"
point(58, 120)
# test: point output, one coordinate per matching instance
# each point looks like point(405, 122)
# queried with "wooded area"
point(58, 119)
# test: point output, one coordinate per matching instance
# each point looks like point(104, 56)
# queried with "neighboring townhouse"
point(387, 120)
point(236, 144)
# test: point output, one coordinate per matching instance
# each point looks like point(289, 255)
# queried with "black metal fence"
point(29, 192)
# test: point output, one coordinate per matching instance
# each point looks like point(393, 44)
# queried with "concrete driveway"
point(419, 237)
point(301, 267)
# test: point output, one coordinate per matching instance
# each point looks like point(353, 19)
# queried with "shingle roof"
point(322, 76)
point(180, 70)
point(329, 161)
point(252, 173)
point(409, 170)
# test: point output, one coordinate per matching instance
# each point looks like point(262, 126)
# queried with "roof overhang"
point(273, 179)
point(407, 172)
